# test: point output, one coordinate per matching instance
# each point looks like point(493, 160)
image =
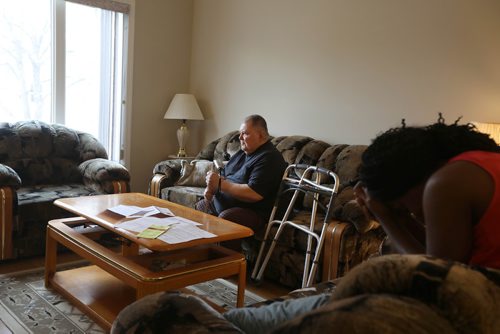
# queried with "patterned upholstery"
point(386, 294)
point(40, 163)
point(361, 237)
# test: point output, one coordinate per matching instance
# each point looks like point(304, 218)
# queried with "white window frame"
point(59, 75)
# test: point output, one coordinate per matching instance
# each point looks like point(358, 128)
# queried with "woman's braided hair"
point(403, 157)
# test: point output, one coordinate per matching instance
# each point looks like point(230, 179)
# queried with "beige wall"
point(337, 70)
point(162, 55)
point(344, 70)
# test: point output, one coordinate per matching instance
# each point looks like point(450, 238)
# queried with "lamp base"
point(181, 153)
point(182, 137)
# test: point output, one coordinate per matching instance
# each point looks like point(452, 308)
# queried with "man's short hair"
point(258, 122)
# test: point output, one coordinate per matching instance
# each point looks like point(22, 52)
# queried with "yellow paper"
point(153, 232)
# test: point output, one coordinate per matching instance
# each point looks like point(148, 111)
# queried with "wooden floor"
point(265, 289)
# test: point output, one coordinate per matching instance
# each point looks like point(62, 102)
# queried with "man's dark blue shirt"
point(262, 171)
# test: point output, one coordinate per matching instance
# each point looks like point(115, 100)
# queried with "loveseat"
point(351, 238)
point(386, 294)
point(40, 163)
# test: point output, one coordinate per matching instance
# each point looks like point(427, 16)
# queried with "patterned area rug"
point(26, 306)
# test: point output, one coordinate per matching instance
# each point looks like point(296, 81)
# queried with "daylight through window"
point(65, 62)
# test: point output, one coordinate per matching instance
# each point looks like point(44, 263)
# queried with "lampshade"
point(184, 106)
point(492, 129)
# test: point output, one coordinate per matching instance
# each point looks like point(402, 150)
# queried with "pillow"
point(194, 174)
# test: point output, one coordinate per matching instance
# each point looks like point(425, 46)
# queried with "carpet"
point(26, 306)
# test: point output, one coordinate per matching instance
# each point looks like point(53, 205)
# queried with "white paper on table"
point(184, 232)
point(125, 210)
point(181, 220)
point(137, 211)
point(140, 224)
point(154, 210)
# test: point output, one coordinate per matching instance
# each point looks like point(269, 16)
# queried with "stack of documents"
point(164, 225)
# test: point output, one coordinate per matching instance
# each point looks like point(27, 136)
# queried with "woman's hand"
point(372, 207)
point(395, 219)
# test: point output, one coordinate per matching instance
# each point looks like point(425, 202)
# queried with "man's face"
point(250, 138)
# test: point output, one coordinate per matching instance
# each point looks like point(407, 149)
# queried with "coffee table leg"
point(50, 257)
point(129, 248)
point(242, 276)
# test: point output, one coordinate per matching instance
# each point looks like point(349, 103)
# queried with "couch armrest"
point(345, 247)
point(105, 175)
point(9, 177)
point(332, 249)
point(9, 183)
point(8, 199)
point(165, 174)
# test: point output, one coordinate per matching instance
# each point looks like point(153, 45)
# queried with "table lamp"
point(183, 106)
point(492, 129)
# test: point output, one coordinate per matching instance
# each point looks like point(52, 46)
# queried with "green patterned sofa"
point(40, 163)
point(351, 237)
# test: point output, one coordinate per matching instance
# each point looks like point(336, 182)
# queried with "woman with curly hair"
point(435, 190)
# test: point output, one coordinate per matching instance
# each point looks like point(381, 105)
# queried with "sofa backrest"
point(44, 153)
point(343, 159)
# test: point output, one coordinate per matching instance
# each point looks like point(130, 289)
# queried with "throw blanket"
point(387, 294)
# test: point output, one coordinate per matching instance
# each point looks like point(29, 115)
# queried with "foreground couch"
point(388, 294)
point(40, 163)
point(351, 238)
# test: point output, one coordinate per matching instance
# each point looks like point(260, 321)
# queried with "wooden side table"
point(173, 156)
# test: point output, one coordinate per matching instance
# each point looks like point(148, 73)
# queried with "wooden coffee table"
point(117, 278)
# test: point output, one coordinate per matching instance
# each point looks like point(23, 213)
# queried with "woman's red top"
point(486, 243)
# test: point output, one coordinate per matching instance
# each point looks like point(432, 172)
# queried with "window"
point(65, 62)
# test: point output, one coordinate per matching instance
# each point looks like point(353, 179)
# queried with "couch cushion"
point(36, 139)
point(348, 162)
point(311, 152)
point(227, 146)
point(66, 142)
point(10, 145)
point(187, 196)
point(90, 148)
point(328, 158)
point(207, 153)
point(290, 146)
point(194, 173)
point(45, 170)
point(49, 193)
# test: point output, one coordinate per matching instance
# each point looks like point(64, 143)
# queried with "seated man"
point(246, 192)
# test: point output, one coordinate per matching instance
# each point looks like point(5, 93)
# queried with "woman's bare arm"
point(455, 198)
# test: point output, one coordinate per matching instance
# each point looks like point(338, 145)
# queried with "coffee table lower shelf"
point(116, 280)
point(95, 292)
